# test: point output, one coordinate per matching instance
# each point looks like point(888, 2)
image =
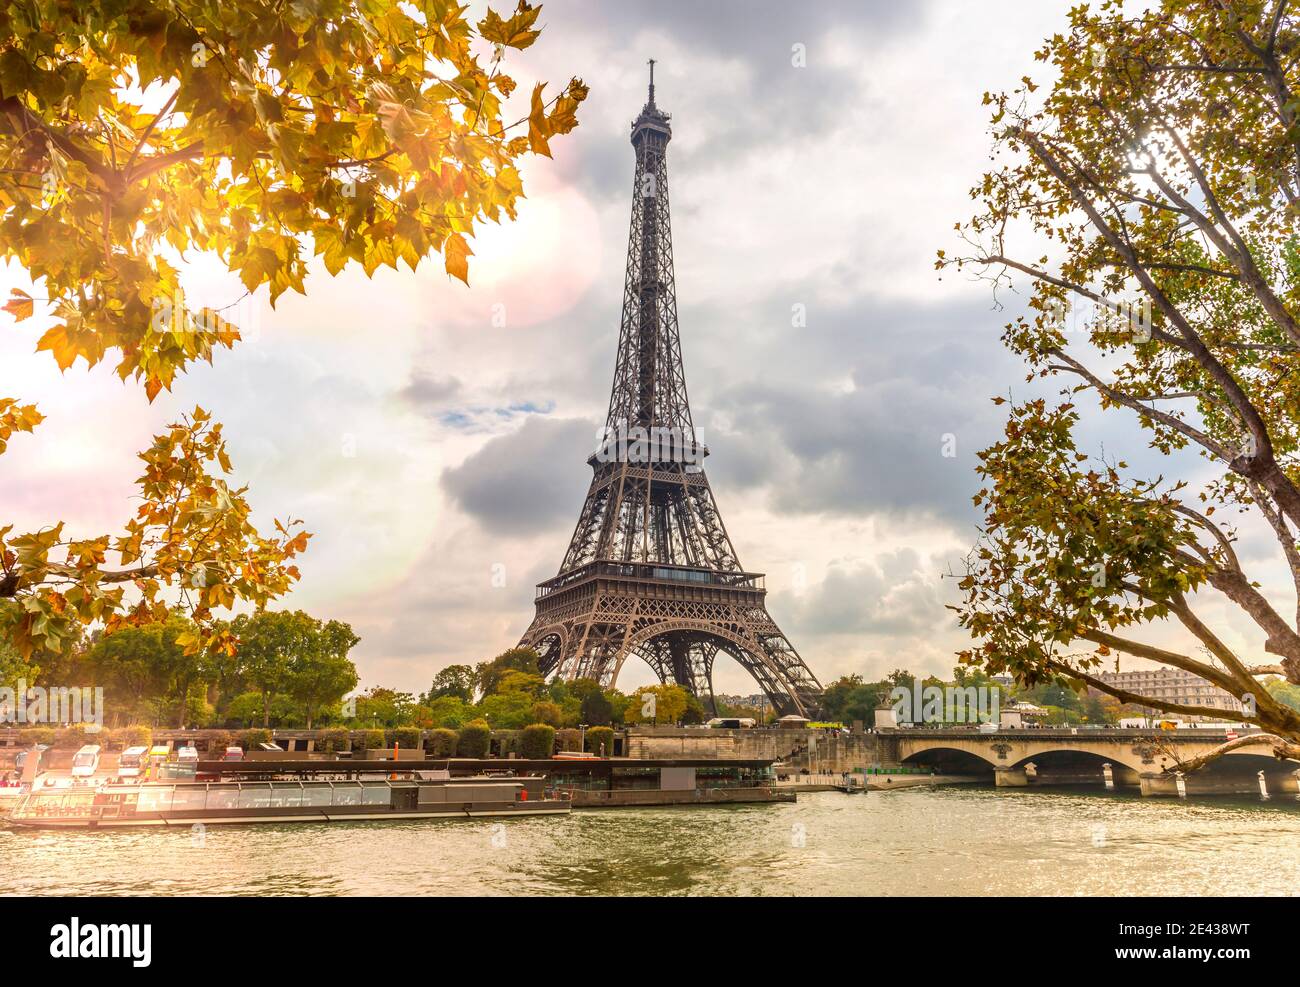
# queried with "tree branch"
point(1282, 750)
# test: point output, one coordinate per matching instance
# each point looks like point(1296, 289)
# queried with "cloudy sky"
point(427, 447)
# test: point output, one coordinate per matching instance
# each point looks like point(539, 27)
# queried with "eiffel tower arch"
point(650, 570)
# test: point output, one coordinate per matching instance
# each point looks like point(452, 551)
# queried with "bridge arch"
point(1083, 758)
point(950, 760)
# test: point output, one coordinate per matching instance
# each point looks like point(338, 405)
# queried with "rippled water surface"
point(958, 841)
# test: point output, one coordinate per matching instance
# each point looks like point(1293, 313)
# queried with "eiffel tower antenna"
point(650, 570)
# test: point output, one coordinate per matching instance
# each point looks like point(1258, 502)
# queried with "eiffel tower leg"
point(679, 651)
point(703, 655)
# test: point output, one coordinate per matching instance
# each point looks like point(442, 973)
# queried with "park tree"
point(322, 673)
point(135, 134)
point(507, 710)
point(447, 711)
point(291, 653)
point(528, 682)
point(596, 709)
point(145, 670)
point(694, 713)
point(836, 695)
point(489, 674)
point(549, 713)
point(454, 680)
point(13, 669)
point(656, 704)
point(1148, 199)
point(382, 707)
point(1283, 691)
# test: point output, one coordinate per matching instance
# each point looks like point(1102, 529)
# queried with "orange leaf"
point(56, 340)
point(538, 128)
point(20, 305)
point(456, 254)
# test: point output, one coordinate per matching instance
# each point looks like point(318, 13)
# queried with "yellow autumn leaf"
point(538, 127)
point(20, 305)
point(514, 33)
point(456, 254)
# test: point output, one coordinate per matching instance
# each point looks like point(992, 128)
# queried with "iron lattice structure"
point(650, 570)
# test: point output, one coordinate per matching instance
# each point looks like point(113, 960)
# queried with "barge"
point(213, 803)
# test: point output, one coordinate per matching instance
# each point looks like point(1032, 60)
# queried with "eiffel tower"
point(651, 570)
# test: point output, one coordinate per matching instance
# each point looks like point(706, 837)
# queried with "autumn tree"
point(656, 704)
point(1149, 201)
point(136, 134)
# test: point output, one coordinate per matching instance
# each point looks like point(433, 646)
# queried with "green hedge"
point(78, 736)
point(367, 740)
point(218, 741)
point(504, 743)
point(249, 739)
point(568, 738)
point(407, 738)
point(37, 735)
point(538, 741)
point(441, 743)
point(335, 740)
point(600, 735)
point(474, 739)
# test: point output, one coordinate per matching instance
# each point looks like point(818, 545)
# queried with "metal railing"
point(656, 571)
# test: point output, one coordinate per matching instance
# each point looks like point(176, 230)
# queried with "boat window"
point(38, 804)
point(223, 797)
point(190, 798)
point(377, 795)
point(317, 794)
point(254, 796)
point(347, 794)
point(155, 799)
point(284, 797)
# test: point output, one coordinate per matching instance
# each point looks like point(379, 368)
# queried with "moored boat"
point(212, 803)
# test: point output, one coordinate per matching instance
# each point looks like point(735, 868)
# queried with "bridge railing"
point(1061, 733)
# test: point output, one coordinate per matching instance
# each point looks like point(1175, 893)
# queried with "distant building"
point(756, 701)
point(1173, 685)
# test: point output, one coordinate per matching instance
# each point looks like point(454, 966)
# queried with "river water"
point(955, 841)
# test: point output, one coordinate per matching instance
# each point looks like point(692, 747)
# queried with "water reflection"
point(959, 841)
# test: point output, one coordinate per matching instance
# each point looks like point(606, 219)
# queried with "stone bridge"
point(1070, 756)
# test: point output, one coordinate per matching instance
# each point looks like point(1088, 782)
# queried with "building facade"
point(1173, 685)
